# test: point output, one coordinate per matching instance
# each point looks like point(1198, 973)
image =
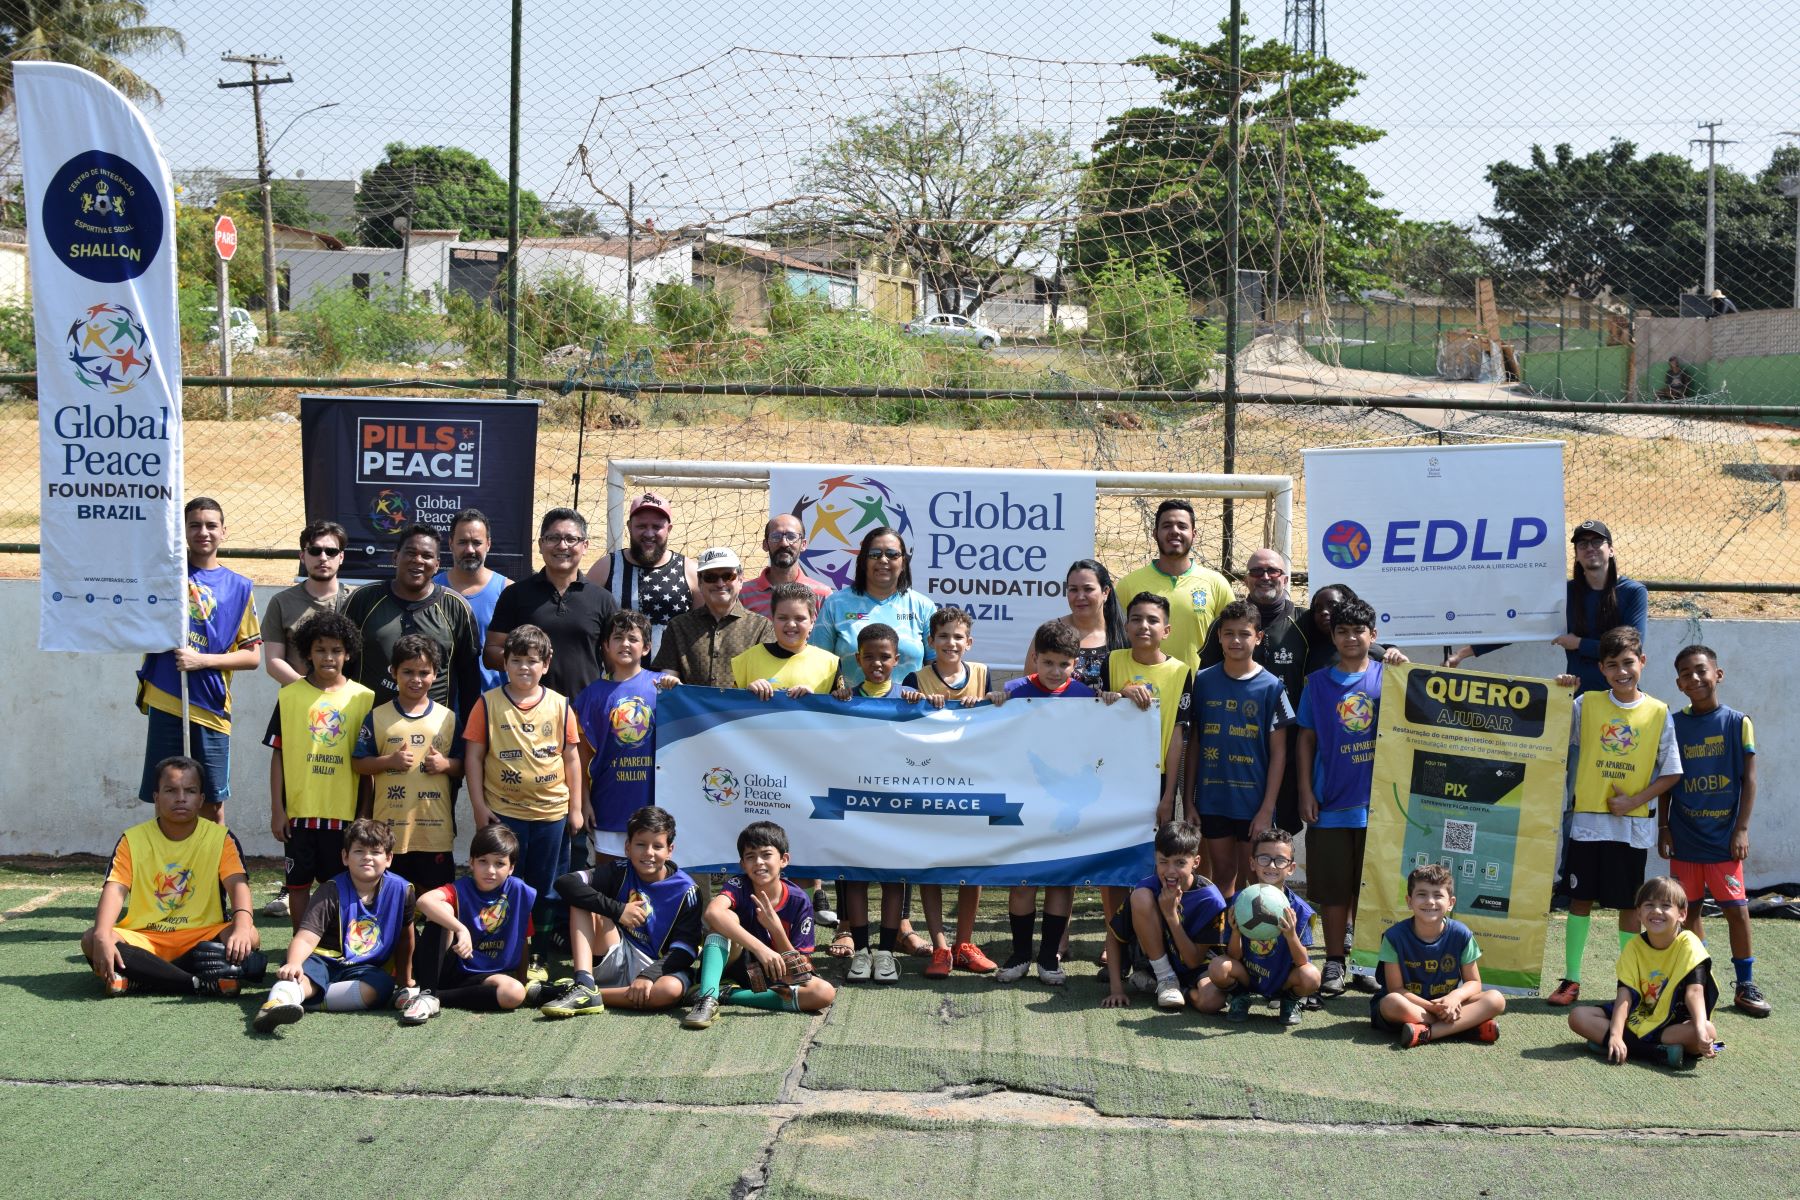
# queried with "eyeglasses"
point(1273, 860)
point(563, 539)
point(785, 536)
point(886, 554)
point(1265, 572)
point(717, 576)
point(325, 551)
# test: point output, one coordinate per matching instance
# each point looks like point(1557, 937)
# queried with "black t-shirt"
point(574, 619)
point(444, 616)
point(1284, 650)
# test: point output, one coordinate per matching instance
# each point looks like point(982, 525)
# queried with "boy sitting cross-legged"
point(1431, 987)
point(760, 931)
point(1173, 921)
point(1276, 968)
point(641, 915)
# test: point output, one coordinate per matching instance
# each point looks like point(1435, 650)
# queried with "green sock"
point(1574, 946)
point(1625, 936)
point(769, 1001)
point(712, 964)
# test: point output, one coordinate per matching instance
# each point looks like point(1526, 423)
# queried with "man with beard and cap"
point(1195, 593)
point(470, 544)
point(413, 603)
point(646, 574)
point(784, 537)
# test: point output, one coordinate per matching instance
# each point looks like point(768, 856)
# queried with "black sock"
point(1335, 958)
point(476, 998)
point(1050, 949)
point(1022, 925)
point(859, 936)
point(890, 937)
point(837, 890)
point(151, 973)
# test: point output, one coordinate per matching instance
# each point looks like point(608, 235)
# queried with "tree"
point(95, 35)
point(1157, 182)
point(438, 187)
point(944, 178)
point(288, 203)
point(1437, 258)
point(572, 220)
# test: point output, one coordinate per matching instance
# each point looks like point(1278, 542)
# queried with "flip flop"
point(842, 946)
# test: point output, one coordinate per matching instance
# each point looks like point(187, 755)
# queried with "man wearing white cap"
point(699, 644)
point(646, 574)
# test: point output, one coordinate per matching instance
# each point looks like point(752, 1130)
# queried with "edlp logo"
point(839, 517)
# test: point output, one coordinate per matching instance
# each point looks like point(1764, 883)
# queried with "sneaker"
point(118, 985)
point(1670, 1056)
point(862, 965)
point(703, 1014)
point(884, 970)
point(1168, 993)
point(942, 962)
point(1363, 983)
point(1142, 979)
point(537, 972)
point(1333, 983)
point(1013, 972)
point(223, 985)
point(277, 905)
point(1750, 1001)
point(1566, 993)
point(1052, 976)
point(424, 1006)
point(275, 1013)
point(1487, 1031)
point(1237, 1009)
point(536, 992)
point(1412, 1035)
point(1290, 1010)
point(970, 958)
point(404, 997)
point(579, 1000)
point(823, 913)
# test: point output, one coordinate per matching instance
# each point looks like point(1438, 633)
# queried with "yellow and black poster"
point(1469, 773)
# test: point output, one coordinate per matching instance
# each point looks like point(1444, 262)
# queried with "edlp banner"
point(378, 464)
point(100, 216)
point(1449, 544)
point(1469, 772)
point(1040, 791)
point(998, 543)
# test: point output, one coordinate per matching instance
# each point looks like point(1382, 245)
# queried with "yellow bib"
point(318, 733)
point(1617, 746)
point(174, 885)
point(813, 666)
point(522, 775)
point(974, 687)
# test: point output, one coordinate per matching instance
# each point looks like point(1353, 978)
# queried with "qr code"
point(1459, 837)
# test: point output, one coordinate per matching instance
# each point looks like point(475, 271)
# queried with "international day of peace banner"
point(100, 215)
point(1469, 772)
point(1449, 544)
point(1044, 791)
point(998, 543)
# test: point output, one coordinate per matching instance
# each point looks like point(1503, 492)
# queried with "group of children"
point(642, 934)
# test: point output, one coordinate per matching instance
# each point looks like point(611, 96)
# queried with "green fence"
point(1765, 379)
point(1603, 373)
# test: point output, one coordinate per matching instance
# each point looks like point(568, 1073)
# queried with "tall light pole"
point(256, 83)
point(631, 243)
point(1790, 187)
point(1712, 141)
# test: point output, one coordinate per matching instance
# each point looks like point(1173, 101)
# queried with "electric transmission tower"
point(1303, 26)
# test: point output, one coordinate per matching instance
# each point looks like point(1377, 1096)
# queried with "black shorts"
point(1648, 1045)
point(313, 856)
point(1212, 826)
point(1607, 873)
point(426, 870)
point(1334, 865)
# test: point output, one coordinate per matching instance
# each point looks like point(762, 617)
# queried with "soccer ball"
point(1258, 910)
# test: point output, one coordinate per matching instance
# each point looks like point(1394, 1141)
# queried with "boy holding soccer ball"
point(1174, 921)
point(1431, 985)
point(1263, 961)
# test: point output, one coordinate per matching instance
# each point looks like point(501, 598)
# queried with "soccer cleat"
point(1291, 1009)
point(118, 985)
point(536, 993)
point(1750, 1001)
point(1013, 972)
point(1487, 1031)
point(580, 1000)
point(862, 965)
point(1333, 983)
point(1670, 1055)
point(970, 958)
point(424, 1006)
point(943, 960)
point(884, 969)
point(1052, 976)
point(823, 913)
point(1142, 979)
point(1237, 1008)
point(537, 972)
point(275, 1013)
point(223, 985)
point(1412, 1035)
point(277, 906)
point(703, 1014)
point(1168, 993)
point(1566, 993)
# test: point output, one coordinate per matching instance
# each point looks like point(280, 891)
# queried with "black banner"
point(378, 464)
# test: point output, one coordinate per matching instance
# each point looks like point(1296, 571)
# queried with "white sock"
point(1162, 968)
point(344, 996)
point(286, 991)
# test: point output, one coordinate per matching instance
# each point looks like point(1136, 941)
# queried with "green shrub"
point(1140, 315)
point(557, 310)
point(688, 316)
point(342, 325)
point(830, 349)
point(18, 338)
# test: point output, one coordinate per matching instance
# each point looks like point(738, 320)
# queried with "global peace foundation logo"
point(1617, 737)
point(326, 725)
point(631, 720)
point(1347, 544)
point(719, 786)
point(389, 512)
point(109, 348)
point(170, 886)
point(839, 517)
point(1356, 712)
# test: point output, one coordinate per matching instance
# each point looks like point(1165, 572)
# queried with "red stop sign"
point(225, 238)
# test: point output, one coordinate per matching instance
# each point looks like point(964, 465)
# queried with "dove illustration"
point(1072, 790)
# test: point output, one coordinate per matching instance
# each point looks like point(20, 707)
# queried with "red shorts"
point(1724, 880)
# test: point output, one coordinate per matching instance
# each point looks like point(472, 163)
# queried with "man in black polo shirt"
point(413, 603)
point(572, 610)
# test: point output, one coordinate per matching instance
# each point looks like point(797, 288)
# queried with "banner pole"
point(187, 617)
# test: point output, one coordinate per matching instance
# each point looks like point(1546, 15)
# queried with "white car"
point(951, 327)
point(245, 334)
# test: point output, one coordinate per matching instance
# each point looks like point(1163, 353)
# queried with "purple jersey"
point(796, 913)
point(1269, 963)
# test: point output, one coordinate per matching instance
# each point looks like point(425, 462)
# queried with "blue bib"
point(367, 933)
point(499, 923)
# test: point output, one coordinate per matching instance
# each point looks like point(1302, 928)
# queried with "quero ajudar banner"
point(377, 465)
point(101, 227)
point(998, 543)
point(1044, 791)
point(1450, 544)
point(1469, 772)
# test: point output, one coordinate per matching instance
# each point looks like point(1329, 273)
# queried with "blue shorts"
point(163, 740)
point(1126, 932)
point(323, 972)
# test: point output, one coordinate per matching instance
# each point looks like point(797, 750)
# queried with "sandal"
point(842, 946)
point(918, 947)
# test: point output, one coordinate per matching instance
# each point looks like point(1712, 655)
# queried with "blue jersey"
point(482, 605)
point(368, 932)
point(796, 913)
point(1233, 721)
point(499, 923)
point(1703, 809)
point(1429, 969)
point(1269, 963)
point(674, 904)
point(618, 720)
point(1202, 920)
point(1028, 685)
point(1342, 711)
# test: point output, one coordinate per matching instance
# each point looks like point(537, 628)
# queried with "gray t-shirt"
point(288, 610)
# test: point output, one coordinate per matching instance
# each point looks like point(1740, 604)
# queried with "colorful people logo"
point(631, 720)
point(388, 512)
point(109, 348)
point(1356, 712)
point(1617, 737)
point(839, 517)
point(326, 724)
point(1347, 544)
point(719, 786)
point(170, 886)
point(361, 937)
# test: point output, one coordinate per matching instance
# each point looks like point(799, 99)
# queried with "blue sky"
point(1457, 86)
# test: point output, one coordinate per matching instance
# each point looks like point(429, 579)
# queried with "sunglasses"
point(717, 576)
point(325, 551)
point(886, 554)
point(1265, 572)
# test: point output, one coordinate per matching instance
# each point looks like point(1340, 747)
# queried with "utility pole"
point(1790, 187)
point(256, 83)
point(631, 250)
point(1712, 141)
